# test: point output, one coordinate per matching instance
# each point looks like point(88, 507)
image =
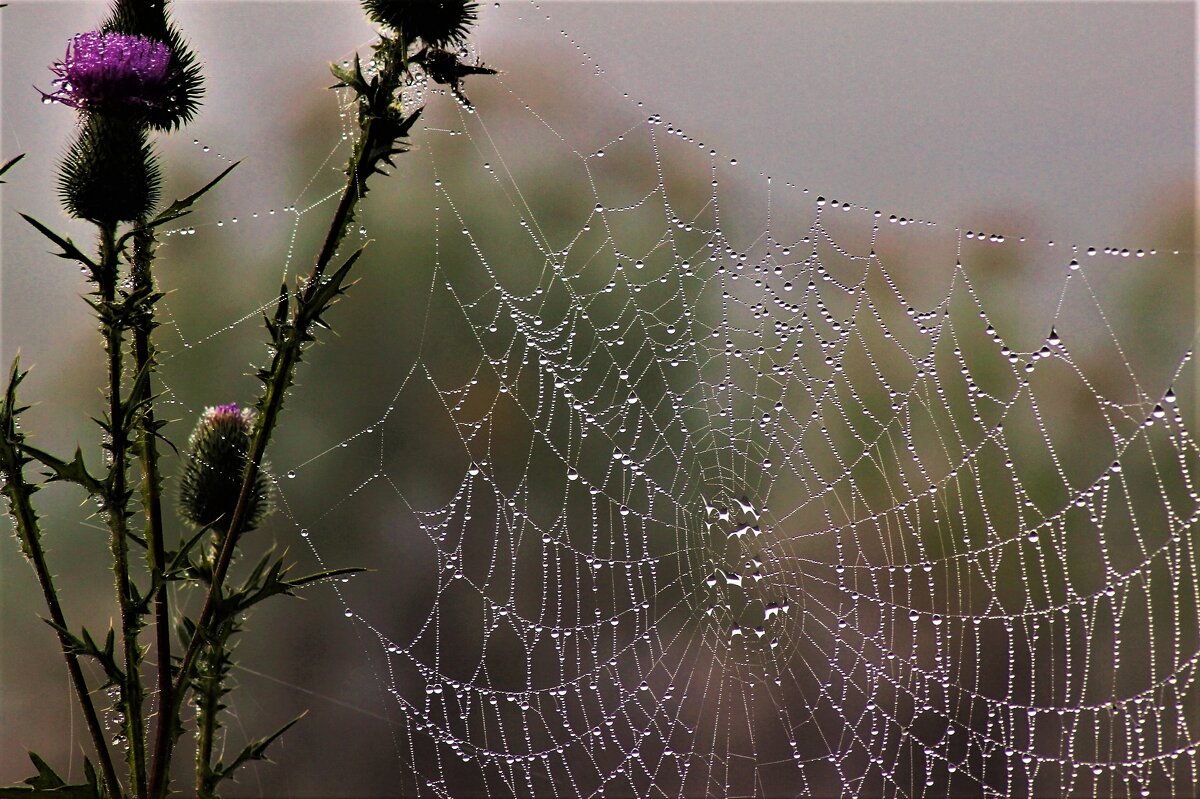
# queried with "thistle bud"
point(110, 173)
point(438, 23)
point(212, 473)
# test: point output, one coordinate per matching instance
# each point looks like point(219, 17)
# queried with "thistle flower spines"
point(212, 474)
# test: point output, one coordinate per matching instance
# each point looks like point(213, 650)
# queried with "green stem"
point(212, 669)
point(117, 512)
point(375, 144)
point(144, 324)
point(282, 369)
point(206, 727)
point(19, 494)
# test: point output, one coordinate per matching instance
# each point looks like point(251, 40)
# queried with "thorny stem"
point(19, 493)
point(211, 677)
point(143, 255)
point(116, 511)
point(206, 722)
point(375, 144)
point(281, 372)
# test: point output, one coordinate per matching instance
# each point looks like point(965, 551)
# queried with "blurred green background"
point(1064, 122)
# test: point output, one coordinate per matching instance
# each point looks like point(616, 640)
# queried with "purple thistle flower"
point(104, 71)
point(220, 411)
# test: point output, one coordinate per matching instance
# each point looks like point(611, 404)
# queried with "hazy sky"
point(1076, 120)
point(1076, 115)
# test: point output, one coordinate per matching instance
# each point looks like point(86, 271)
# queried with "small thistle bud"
point(438, 23)
point(212, 474)
point(110, 173)
point(111, 72)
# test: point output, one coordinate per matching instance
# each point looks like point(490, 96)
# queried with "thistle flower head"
point(212, 474)
point(110, 71)
point(438, 23)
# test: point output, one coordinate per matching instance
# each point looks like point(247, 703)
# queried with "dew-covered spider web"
point(697, 482)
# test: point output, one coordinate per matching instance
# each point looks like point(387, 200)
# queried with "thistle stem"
point(212, 670)
point(282, 369)
point(143, 283)
point(19, 494)
point(206, 724)
point(117, 511)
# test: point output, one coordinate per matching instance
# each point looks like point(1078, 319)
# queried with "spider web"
point(699, 482)
point(759, 506)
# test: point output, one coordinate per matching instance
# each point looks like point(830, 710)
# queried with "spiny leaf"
point(255, 750)
point(12, 161)
point(348, 78)
point(139, 396)
point(45, 778)
point(177, 560)
point(324, 293)
point(87, 647)
point(73, 471)
point(325, 575)
point(46, 784)
point(182, 206)
point(275, 326)
point(69, 250)
point(12, 463)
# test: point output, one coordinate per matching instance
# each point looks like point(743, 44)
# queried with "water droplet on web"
point(291, 474)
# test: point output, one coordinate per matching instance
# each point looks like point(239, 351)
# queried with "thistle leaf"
point(87, 647)
point(329, 574)
point(255, 750)
point(46, 784)
point(12, 161)
point(178, 560)
point(311, 308)
point(73, 471)
point(69, 250)
point(183, 206)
